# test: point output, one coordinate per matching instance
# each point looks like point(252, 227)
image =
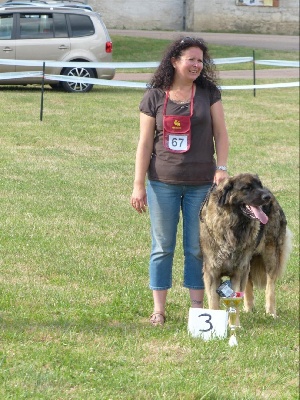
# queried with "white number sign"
point(208, 324)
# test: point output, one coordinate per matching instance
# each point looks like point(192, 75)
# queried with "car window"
point(6, 25)
point(60, 26)
point(81, 25)
point(36, 26)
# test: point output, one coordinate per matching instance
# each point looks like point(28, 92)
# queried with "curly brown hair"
point(164, 75)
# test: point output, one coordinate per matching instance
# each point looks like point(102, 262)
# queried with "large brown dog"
point(244, 235)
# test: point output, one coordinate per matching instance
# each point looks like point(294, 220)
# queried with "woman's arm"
point(221, 139)
point(143, 156)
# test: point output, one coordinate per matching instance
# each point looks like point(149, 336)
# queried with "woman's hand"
point(139, 199)
point(220, 176)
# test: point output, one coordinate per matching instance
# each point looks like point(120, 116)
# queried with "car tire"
point(77, 87)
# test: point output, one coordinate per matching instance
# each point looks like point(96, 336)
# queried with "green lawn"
point(74, 302)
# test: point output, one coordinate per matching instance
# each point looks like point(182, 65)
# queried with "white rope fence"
point(131, 65)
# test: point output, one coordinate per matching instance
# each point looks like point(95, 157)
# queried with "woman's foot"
point(157, 319)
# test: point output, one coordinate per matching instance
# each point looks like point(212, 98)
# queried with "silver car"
point(58, 34)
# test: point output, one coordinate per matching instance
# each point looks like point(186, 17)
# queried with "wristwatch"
point(222, 167)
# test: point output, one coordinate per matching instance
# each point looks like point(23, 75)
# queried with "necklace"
point(181, 101)
point(180, 98)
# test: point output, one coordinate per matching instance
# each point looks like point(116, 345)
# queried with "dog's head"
point(245, 193)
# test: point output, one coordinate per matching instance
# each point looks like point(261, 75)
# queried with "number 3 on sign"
point(207, 324)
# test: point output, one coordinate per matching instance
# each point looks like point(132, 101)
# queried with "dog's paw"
point(272, 314)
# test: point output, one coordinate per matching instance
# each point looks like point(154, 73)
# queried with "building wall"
point(137, 14)
point(200, 15)
point(214, 15)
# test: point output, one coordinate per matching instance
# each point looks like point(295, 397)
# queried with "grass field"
point(74, 300)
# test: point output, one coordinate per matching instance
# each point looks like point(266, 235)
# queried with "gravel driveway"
point(270, 42)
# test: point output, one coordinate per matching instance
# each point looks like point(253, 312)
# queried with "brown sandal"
point(157, 319)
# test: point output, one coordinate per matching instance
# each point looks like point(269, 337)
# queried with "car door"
point(7, 44)
point(37, 39)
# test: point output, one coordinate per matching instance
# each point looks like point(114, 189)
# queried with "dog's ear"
point(258, 180)
point(225, 193)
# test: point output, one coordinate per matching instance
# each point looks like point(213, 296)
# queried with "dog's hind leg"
point(275, 262)
point(272, 270)
point(249, 296)
point(238, 282)
point(270, 295)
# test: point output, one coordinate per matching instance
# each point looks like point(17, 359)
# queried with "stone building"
point(244, 16)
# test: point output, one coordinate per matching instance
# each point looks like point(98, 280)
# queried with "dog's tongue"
point(259, 214)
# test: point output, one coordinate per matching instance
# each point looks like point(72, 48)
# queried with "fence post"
point(254, 77)
point(42, 94)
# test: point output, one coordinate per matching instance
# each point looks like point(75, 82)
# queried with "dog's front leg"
point(211, 284)
point(239, 278)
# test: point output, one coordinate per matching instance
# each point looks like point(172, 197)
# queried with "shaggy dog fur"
point(244, 235)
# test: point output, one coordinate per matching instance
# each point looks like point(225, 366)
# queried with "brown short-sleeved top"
point(196, 166)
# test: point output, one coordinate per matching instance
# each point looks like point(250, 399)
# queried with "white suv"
point(58, 34)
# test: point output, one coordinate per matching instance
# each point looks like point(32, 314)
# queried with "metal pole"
point(254, 77)
point(184, 16)
point(42, 94)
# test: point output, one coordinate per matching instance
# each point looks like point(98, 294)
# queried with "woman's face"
point(189, 65)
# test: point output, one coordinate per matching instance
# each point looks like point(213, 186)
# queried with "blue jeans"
point(165, 202)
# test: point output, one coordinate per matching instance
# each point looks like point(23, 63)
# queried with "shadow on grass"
point(258, 318)
point(37, 88)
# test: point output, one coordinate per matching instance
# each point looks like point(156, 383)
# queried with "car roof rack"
point(25, 1)
point(65, 1)
point(47, 2)
point(44, 3)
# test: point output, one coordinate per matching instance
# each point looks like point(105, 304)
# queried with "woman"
point(182, 125)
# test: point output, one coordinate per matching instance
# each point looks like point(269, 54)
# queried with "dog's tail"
point(258, 271)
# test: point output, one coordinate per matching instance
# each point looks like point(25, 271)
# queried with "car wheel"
point(78, 86)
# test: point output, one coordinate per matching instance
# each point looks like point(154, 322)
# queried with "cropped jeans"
point(165, 202)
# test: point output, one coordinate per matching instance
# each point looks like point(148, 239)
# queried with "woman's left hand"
point(220, 176)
